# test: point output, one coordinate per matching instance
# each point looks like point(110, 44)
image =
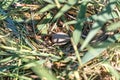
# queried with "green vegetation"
point(87, 45)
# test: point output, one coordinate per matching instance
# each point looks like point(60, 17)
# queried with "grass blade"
point(99, 48)
point(78, 26)
point(100, 19)
point(42, 72)
point(111, 70)
point(65, 8)
point(47, 8)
